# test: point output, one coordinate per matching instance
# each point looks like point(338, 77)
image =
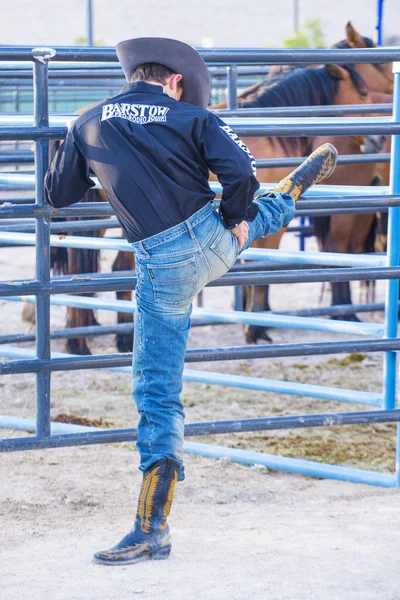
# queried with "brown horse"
point(354, 233)
point(328, 85)
point(341, 233)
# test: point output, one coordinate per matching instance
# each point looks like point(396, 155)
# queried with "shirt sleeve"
point(67, 179)
point(229, 158)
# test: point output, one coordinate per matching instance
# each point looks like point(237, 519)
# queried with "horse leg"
point(258, 297)
point(125, 261)
point(78, 317)
point(352, 234)
point(257, 300)
point(335, 239)
point(81, 261)
point(341, 294)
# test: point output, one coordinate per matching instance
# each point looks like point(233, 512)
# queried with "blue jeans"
point(172, 268)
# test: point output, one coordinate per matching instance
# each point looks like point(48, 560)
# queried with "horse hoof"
point(124, 343)
point(352, 318)
point(77, 346)
point(254, 333)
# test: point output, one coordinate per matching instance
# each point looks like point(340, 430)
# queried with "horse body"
point(339, 233)
point(357, 233)
point(346, 233)
point(329, 85)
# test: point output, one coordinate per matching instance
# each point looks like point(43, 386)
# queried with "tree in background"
point(311, 36)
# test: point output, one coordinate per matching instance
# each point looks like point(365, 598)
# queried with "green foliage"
point(81, 40)
point(311, 36)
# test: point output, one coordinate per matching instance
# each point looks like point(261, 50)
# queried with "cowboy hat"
point(177, 56)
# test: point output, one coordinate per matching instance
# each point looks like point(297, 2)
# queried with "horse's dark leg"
point(79, 317)
point(257, 300)
point(81, 261)
point(333, 237)
point(125, 261)
point(341, 294)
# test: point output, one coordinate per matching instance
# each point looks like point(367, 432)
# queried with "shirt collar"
point(143, 87)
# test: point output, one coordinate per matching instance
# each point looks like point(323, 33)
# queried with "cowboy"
point(152, 147)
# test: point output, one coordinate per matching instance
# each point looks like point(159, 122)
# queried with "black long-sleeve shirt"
point(152, 156)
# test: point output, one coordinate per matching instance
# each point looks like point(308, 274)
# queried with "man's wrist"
point(232, 223)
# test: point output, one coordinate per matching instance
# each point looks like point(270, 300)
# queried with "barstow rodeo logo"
point(241, 145)
point(136, 113)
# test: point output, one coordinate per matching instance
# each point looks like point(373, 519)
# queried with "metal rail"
point(68, 363)
point(220, 56)
point(196, 429)
point(246, 126)
point(307, 111)
point(339, 310)
point(347, 159)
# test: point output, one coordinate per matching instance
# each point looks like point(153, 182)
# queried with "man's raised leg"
point(277, 208)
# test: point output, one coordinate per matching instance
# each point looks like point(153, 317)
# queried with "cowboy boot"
point(318, 166)
point(150, 538)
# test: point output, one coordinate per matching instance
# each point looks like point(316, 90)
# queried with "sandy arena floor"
point(238, 532)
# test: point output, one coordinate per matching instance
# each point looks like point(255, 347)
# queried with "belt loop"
point(143, 250)
point(191, 232)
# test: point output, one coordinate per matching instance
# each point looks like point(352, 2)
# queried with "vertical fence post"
point(90, 22)
point(302, 235)
point(379, 24)
point(395, 185)
point(397, 474)
point(393, 251)
point(41, 117)
point(17, 107)
point(16, 96)
point(231, 76)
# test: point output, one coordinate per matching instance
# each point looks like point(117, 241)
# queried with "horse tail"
point(59, 260)
point(321, 228)
point(58, 256)
point(370, 238)
point(80, 260)
point(83, 261)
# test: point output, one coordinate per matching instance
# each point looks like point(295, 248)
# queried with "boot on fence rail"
point(150, 538)
point(318, 166)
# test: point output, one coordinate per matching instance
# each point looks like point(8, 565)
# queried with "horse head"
point(351, 88)
point(378, 77)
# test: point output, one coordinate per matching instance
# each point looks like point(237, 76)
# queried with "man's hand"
point(241, 232)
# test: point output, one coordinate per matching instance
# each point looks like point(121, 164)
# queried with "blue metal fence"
point(46, 291)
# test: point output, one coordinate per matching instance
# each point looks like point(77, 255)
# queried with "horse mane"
point(301, 87)
point(304, 87)
point(356, 79)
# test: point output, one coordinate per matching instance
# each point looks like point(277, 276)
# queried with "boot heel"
point(161, 553)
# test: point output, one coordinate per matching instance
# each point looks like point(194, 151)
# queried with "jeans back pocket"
point(174, 283)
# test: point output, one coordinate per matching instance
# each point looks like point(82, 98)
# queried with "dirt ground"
point(238, 532)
